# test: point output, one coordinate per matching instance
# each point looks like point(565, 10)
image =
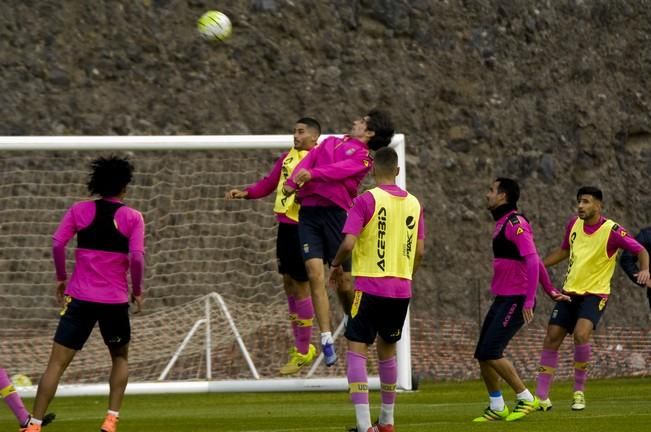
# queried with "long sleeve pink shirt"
point(512, 277)
point(267, 185)
point(101, 276)
point(337, 167)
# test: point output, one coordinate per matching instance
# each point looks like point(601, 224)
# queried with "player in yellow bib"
point(288, 246)
point(385, 231)
point(591, 244)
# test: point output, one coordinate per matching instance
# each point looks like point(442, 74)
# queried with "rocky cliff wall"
point(553, 93)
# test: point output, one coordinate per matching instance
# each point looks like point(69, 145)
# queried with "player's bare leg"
point(316, 274)
point(60, 358)
point(492, 370)
point(118, 384)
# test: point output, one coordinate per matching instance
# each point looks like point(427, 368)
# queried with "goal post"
point(199, 335)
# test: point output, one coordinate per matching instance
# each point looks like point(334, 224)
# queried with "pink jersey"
point(513, 277)
point(267, 185)
point(358, 217)
point(618, 239)
point(101, 276)
point(337, 166)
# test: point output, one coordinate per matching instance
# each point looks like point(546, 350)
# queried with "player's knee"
point(581, 338)
point(119, 352)
point(552, 342)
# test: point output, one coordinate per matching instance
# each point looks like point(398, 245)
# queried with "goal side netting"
point(215, 315)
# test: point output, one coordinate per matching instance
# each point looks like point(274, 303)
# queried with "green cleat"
point(578, 401)
point(522, 408)
point(492, 415)
point(298, 360)
point(544, 405)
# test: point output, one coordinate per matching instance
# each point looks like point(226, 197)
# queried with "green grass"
point(612, 405)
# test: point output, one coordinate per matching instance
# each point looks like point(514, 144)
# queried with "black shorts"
point(319, 229)
point(502, 322)
point(372, 315)
point(590, 307)
point(79, 317)
point(288, 252)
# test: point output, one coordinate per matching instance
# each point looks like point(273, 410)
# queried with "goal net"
point(215, 311)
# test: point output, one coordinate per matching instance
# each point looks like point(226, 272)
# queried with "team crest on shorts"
point(602, 304)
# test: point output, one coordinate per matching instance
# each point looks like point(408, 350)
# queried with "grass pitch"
point(612, 405)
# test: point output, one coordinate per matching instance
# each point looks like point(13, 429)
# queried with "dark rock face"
point(553, 93)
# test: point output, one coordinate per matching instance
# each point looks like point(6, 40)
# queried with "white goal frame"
point(207, 142)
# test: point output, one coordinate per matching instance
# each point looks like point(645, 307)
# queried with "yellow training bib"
point(287, 205)
point(590, 268)
point(385, 247)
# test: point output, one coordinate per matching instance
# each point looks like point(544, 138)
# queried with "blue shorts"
point(589, 306)
point(319, 229)
point(502, 322)
point(288, 252)
point(372, 315)
point(78, 319)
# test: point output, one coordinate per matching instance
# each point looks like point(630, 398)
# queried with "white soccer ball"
point(214, 25)
point(20, 380)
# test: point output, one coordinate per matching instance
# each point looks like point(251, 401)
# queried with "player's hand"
point(236, 194)
point(642, 277)
point(137, 301)
point(303, 176)
point(288, 190)
point(558, 296)
point(61, 288)
point(527, 314)
point(336, 273)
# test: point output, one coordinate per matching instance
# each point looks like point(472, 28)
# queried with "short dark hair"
point(311, 123)
point(509, 187)
point(380, 123)
point(109, 176)
point(385, 160)
point(590, 190)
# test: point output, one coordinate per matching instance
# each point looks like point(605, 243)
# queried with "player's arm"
point(296, 179)
point(344, 251)
point(131, 224)
point(556, 256)
point(263, 187)
point(420, 242)
point(643, 277)
point(547, 285)
point(358, 216)
point(63, 234)
point(620, 239)
point(420, 253)
point(563, 252)
point(628, 260)
point(518, 231)
point(359, 162)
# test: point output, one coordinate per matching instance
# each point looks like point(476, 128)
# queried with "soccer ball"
point(20, 380)
point(214, 25)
